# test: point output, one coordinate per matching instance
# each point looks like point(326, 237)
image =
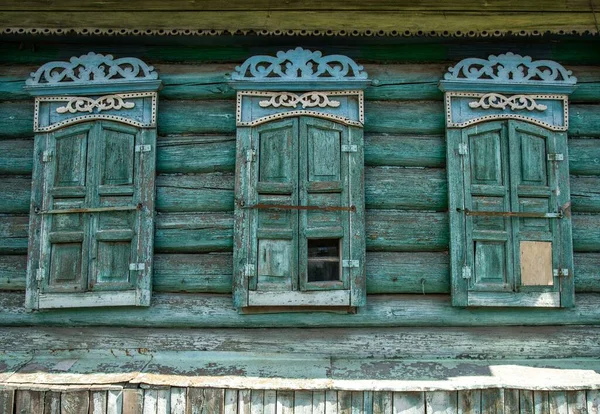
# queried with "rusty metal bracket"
point(288, 207)
point(520, 214)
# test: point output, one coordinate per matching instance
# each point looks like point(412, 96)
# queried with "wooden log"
point(469, 402)
point(12, 272)
point(16, 156)
point(195, 154)
point(30, 402)
point(584, 156)
point(74, 402)
point(586, 237)
point(585, 194)
point(197, 233)
point(405, 150)
point(423, 342)
point(212, 310)
point(492, 401)
point(406, 188)
point(196, 117)
point(15, 194)
point(13, 233)
point(210, 192)
point(192, 272)
point(16, 119)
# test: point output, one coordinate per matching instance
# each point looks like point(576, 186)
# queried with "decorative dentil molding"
point(299, 64)
point(514, 102)
point(92, 68)
point(103, 103)
point(306, 100)
point(511, 68)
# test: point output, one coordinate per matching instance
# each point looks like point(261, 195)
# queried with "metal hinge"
point(143, 148)
point(466, 272)
point(46, 156)
point(249, 270)
point(351, 263)
point(250, 155)
point(39, 274)
point(561, 272)
point(556, 157)
point(462, 148)
point(137, 266)
point(349, 148)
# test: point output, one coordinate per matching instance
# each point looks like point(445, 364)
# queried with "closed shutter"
point(514, 187)
point(96, 219)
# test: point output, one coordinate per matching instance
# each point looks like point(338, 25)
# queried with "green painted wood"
point(202, 192)
point(231, 401)
point(16, 156)
point(576, 401)
point(285, 402)
point(585, 194)
point(383, 402)
point(7, 399)
point(441, 402)
point(303, 402)
point(13, 233)
point(584, 156)
point(98, 402)
point(211, 273)
point(52, 402)
point(201, 117)
point(318, 402)
point(74, 402)
point(12, 272)
point(406, 188)
point(193, 232)
point(511, 400)
point(492, 401)
point(412, 403)
point(469, 402)
point(585, 240)
point(405, 151)
point(557, 402)
point(195, 154)
point(541, 402)
point(29, 402)
point(526, 402)
point(593, 401)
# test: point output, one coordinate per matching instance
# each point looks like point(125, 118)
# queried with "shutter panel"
point(324, 239)
point(101, 255)
point(65, 236)
point(275, 231)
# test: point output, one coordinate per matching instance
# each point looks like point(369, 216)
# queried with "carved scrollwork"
point(515, 102)
point(90, 69)
point(85, 104)
point(510, 67)
point(299, 64)
point(307, 100)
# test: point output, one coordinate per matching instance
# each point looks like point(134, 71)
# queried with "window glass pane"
point(323, 260)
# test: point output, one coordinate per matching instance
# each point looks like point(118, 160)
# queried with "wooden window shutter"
point(92, 209)
point(509, 193)
point(299, 215)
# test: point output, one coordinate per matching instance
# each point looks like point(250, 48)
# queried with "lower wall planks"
point(234, 401)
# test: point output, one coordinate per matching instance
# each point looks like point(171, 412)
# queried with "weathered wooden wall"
point(233, 401)
point(406, 191)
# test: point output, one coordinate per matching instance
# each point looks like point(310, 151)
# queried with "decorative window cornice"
point(93, 73)
point(299, 69)
point(510, 73)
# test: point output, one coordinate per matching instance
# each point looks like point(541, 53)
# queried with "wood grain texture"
point(211, 310)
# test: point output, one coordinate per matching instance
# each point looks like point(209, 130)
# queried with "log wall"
point(406, 190)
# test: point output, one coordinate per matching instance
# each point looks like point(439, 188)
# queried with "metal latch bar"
point(137, 266)
point(143, 148)
point(90, 210)
point(522, 214)
point(288, 207)
point(351, 263)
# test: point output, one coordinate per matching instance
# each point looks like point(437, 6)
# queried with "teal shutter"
point(299, 198)
point(93, 207)
point(507, 188)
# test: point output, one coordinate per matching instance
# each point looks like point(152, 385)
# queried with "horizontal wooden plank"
point(15, 194)
point(584, 156)
point(403, 5)
point(387, 272)
point(405, 150)
point(585, 194)
point(406, 188)
point(213, 310)
point(12, 272)
point(209, 273)
point(327, 21)
point(16, 156)
point(386, 230)
point(201, 192)
point(195, 154)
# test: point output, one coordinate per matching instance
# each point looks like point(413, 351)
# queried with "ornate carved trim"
point(477, 118)
point(291, 100)
point(515, 102)
point(64, 110)
point(92, 68)
point(323, 96)
point(299, 64)
point(84, 104)
point(120, 31)
point(510, 67)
